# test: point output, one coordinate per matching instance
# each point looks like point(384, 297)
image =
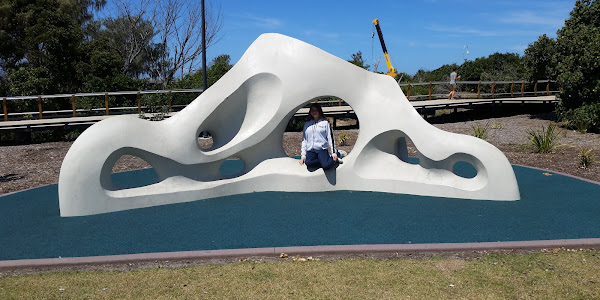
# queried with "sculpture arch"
point(275, 76)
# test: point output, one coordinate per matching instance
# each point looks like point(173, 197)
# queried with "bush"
point(544, 141)
point(343, 138)
point(586, 158)
point(72, 135)
point(481, 131)
point(582, 118)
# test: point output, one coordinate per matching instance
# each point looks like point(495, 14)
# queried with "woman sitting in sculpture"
point(317, 140)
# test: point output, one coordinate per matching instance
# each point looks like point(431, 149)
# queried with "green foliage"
point(481, 130)
point(29, 80)
point(582, 118)
point(39, 44)
point(540, 59)
point(357, 60)
point(578, 50)
point(72, 135)
point(343, 138)
point(498, 125)
point(219, 66)
point(498, 66)
point(545, 140)
point(586, 157)
point(156, 103)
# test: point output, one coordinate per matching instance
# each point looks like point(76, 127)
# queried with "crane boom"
point(391, 71)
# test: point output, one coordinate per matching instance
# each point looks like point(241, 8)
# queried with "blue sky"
point(418, 34)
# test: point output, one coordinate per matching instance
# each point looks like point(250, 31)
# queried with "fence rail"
point(518, 92)
point(73, 97)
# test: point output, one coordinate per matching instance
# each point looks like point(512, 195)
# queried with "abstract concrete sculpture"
point(247, 111)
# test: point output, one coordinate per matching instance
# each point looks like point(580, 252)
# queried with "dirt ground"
point(29, 166)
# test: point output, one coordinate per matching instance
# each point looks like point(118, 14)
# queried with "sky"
point(419, 34)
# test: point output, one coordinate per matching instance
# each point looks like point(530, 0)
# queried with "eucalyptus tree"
point(170, 33)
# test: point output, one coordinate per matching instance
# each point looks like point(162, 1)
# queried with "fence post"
point(40, 106)
point(170, 101)
point(479, 90)
point(493, 86)
point(523, 88)
point(430, 90)
point(512, 85)
point(106, 102)
point(73, 103)
point(535, 89)
point(408, 92)
point(339, 104)
point(139, 103)
point(5, 111)
point(548, 88)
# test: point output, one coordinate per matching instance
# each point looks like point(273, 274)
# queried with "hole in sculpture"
point(342, 120)
point(126, 180)
point(205, 140)
point(464, 169)
point(231, 167)
point(407, 151)
point(243, 113)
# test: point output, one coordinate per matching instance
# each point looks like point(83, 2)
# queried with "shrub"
point(481, 131)
point(343, 138)
point(586, 158)
point(544, 141)
point(72, 135)
point(582, 118)
point(498, 125)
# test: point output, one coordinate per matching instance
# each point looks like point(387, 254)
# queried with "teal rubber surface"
point(552, 207)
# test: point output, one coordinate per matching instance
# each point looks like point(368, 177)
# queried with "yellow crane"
point(391, 71)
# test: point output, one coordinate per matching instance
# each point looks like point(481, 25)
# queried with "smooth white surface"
point(247, 111)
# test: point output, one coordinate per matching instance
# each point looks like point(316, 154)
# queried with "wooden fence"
point(74, 110)
point(517, 89)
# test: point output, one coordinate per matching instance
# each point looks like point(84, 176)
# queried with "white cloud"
point(258, 21)
point(458, 31)
point(520, 48)
point(533, 18)
point(319, 34)
point(462, 30)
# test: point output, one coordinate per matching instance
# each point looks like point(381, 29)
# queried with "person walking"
point(453, 78)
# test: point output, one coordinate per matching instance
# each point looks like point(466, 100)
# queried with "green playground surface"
point(551, 207)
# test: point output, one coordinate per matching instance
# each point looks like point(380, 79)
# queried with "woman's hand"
point(302, 160)
point(334, 156)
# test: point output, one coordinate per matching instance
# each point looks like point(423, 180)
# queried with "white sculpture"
point(246, 113)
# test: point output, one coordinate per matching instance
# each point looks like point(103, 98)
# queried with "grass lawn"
point(555, 274)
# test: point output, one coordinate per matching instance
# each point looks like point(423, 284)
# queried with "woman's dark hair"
point(319, 108)
point(453, 68)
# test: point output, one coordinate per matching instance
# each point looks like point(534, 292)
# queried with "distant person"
point(453, 78)
point(317, 140)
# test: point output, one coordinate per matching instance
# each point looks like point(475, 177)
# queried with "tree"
point(219, 66)
point(176, 34)
point(357, 60)
point(43, 34)
point(578, 53)
point(578, 68)
point(540, 59)
point(131, 37)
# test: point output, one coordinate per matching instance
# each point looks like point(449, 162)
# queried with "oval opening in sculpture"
point(464, 169)
point(123, 179)
point(231, 167)
point(205, 140)
point(342, 119)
